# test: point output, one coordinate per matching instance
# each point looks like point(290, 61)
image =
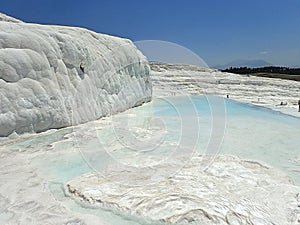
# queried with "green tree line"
point(268, 69)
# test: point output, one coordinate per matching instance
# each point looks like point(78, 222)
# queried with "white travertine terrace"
point(230, 191)
point(53, 76)
point(172, 80)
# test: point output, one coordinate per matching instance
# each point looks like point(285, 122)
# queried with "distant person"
point(299, 106)
point(228, 96)
point(283, 103)
point(82, 67)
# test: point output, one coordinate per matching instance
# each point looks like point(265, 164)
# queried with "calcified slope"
point(52, 77)
point(6, 18)
point(231, 191)
point(171, 79)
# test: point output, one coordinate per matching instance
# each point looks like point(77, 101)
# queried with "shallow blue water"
point(251, 132)
point(262, 134)
point(245, 130)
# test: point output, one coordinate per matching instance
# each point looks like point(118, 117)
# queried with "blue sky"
point(219, 31)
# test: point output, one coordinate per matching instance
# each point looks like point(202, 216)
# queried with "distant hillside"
point(244, 63)
point(270, 71)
